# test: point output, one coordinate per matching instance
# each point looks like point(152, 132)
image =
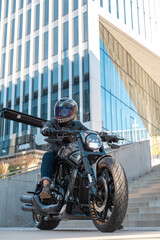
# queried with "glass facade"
point(5, 35)
point(27, 54)
point(55, 11)
point(127, 92)
point(55, 41)
point(28, 29)
point(45, 48)
point(19, 58)
point(20, 26)
point(65, 36)
point(85, 26)
point(75, 31)
point(37, 17)
point(46, 12)
point(12, 31)
point(11, 61)
point(36, 48)
point(65, 7)
point(75, 4)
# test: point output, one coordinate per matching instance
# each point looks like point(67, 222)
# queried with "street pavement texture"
point(35, 234)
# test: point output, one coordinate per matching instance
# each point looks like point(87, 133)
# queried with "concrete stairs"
point(144, 201)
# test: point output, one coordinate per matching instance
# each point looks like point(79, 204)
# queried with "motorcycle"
point(88, 184)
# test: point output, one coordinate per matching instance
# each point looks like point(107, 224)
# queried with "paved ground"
point(35, 234)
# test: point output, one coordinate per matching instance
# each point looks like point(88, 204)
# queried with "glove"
point(112, 138)
point(46, 131)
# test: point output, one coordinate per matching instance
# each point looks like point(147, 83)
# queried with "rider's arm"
point(47, 129)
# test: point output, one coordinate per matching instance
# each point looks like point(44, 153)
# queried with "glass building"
point(96, 52)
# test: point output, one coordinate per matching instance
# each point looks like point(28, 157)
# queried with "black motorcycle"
point(88, 184)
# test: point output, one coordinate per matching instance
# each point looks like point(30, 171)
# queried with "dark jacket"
point(53, 124)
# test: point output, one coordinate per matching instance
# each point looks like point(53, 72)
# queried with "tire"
point(44, 224)
point(109, 208)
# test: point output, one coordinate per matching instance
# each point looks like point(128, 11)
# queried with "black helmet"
point(65, 110)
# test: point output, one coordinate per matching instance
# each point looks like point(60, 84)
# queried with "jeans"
point(48, 167)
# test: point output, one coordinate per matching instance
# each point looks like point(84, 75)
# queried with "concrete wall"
point(135, 159)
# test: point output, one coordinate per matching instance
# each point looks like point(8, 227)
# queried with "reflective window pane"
point(75, 31)
point(12, 30)
point(65, 69)
point(55, 73)
point(27, 54)
point(11, 62)
point(19, 58)
point(75, 4)
point(5, 35)
point(17, 90)
point(13, 6)
point(45, 53)
point(7, 5)
point(26, 85)
point(4, 64)
point(55, 41)
point(46, 12)
point(20, 26)
point(37, 17)
point(28, 22)
point(55, 10)
point(36, 56)
point(35, 81)
point(21, 4)
point(65, 36)
point(65, 7)
point(45, 77)
point(85, 26)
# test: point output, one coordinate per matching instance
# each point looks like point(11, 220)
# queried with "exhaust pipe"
point(27, 208)
point(47, 209)
point(26, 199)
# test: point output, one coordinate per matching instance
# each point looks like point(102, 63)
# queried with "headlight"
point(93, 141)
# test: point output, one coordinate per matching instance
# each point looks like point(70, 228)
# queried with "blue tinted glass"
point(85, 26)
point(12, 32)
point(86, 62)
point(4, 63)
point(131, 13)
point(37, 17)
point(65, 69)
point(2, 93)
point(75, 31)
point(7, 1)
point(46, 12)
point(34, 106)
point(26, 85)
point(55, 73)
point(55, 7)
point(84, 2)
point(109, 5)
point(117, 4)
point(20, 25)
point(75, 4)
point(36, 57)
point(10, 91)
point(124, 4)
point(14, 6)
point(27, 53)
point(55, 41)
point(101, 3)
point(76, 65)
point(45, 77)
point(18, 88)
point(65, 7)
point(29, 21)
point(44, 106)
point(29, 1)
point(0, 8)
point(138, 17)
point(65, 36)
point(21, 4)
point(11, 62)
point(35, 85)
point(19, 58)
point(5, 35)
point(45, 45)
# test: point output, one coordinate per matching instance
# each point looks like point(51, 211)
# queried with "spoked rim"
point(102, 206)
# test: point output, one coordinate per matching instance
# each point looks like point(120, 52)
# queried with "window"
point(55, 10)
point(17, 90)
point(1, 94)
point(37, 17)
point(65, 7)
point(131, 13)
point(19, 58)
point(12, 31)
point(26, 85)
point(124, 5)
point(6, 13)
point(5, 35)
point(35, 81)
point(117, 4)
point(0, 8)
point(45, 53)
point(85, 26)
point(65, 69)
point(13, 6)
point(44, 106)
point(46, 12)
point(10, 91)
point(109, 5)
point(36, 47)
point(3, 66)
point(20, 26)
point(28, 22)
point(86, 94)
point(55, 41)
point(55, 73)
point(101, 3)
point(84, 2)
point(29, 1)
point(75, 4)
point(21, 4)
point(65, 36)
point(45, 77)
point(144, 16)
point(27, 54)
point(75, 82)
point(138, 16)
point(11, 62)
point(75, 31)
point(35, 106)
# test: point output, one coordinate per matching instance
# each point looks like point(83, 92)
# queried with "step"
point(144, 195)
point(152, 188)
point(137, 204)
point(76, 224)
point(142, 216)
point(144, 199)
point(149, 223)
point(149, 209)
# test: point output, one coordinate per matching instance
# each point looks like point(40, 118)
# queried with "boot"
point(46, 192)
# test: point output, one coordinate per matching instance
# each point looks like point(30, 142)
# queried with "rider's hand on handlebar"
point(48, 131)
point(112, 138)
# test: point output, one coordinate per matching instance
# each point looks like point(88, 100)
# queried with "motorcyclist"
point(65, 111)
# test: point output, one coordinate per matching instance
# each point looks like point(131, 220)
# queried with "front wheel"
point(109, 207)
point(44, 224)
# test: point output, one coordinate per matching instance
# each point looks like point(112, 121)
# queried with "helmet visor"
point(63, 112)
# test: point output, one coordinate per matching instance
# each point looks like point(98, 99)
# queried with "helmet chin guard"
point(65, 110)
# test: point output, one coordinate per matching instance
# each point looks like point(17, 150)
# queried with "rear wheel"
point(109, 207)
point(43, 223)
